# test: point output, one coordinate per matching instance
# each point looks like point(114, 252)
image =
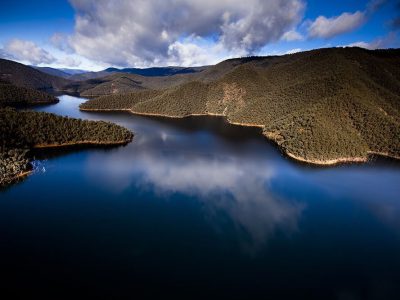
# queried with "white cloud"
point(26, 51)
point(69, 62)
point(191, 54)
point(292, 51)
point(60, 41)
point(143, 33)
point(379, 43)
point(324, 27)
point(292, 35)
point(366, 45)
point(195, 51)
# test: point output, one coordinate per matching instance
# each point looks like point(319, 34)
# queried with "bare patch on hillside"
point(233, 97)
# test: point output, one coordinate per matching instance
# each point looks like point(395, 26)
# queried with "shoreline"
point(328, 162)
point(64, 145)
point(22, 174)
point(81, 143)
point(316, 162)
point(16, 177)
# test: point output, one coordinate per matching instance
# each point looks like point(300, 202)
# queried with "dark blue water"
point(198, 208)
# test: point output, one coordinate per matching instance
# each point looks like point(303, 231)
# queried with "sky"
point(96, 34)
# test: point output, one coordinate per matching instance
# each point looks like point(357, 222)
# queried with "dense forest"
point(21, 131)
point(319, 106)
point(15, 95)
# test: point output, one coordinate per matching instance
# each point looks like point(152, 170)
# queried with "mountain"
point(323, 106)
point(52, 71)
point(15, 95)
point(64, 73)
point(146, 72)
point(73, 71)
point(165, 71)
point(89, 75)
point(21, 84)
point(28, 77)
point(118, 83)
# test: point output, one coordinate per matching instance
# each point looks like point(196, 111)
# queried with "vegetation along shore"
point(325, 106)
point(22, 131)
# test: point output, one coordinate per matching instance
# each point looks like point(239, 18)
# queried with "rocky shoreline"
point(318, 162)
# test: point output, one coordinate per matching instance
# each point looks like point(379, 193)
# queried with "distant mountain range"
point(64, 73)
point(78, 75)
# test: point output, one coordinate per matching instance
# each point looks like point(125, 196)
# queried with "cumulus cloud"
point(26, 51)
point(379, 43)
point(143, 33)
point(324, 27)
point(60, 41)
point(69, 62)
point(191, 54)
point(195, 51)
point(292, 35)
point(367, 45)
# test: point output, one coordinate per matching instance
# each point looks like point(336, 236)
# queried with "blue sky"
point(92, 34)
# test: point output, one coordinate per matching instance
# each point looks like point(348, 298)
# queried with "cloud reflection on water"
point(235, 184)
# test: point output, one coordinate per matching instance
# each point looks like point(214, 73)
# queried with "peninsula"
point(22, 131)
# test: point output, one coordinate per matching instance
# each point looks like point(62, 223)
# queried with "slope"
point(28, 77)
point(323, 106)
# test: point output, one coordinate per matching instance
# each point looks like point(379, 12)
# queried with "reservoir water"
point(196, 207)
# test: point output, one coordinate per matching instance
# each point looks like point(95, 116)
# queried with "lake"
point(197, 207)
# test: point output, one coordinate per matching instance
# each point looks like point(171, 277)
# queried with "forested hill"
point(106, 83)
point(24, 76)
point(21, 131)
point(14, 95)
point(320, 106)
point(147, 72)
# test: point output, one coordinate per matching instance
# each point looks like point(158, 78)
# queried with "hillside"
point(63, 72)
point(21, 131)
point(52, 71)
point(28, 77)
point(15, 95)
point(121, 83)
point(157, 71)
point(323, 106)
point(147, 72)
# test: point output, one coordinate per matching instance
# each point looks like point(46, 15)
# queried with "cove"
point(200, 206)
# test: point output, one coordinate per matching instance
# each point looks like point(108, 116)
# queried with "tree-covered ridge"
point(319, 106)
point(21, 131)
point(121, 83)
point(28, 77)
point(11, 95)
